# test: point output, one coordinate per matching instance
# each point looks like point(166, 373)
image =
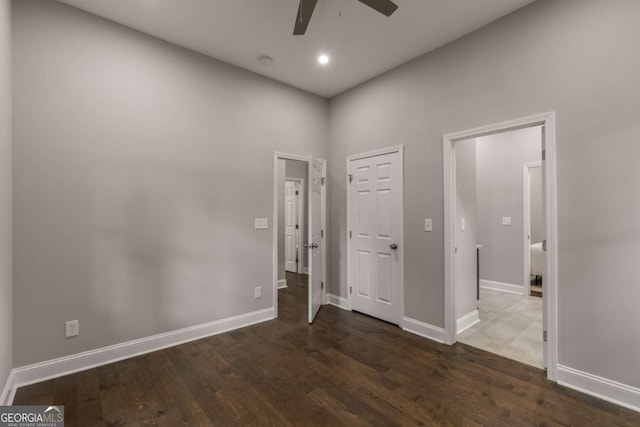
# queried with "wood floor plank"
point(344, 369)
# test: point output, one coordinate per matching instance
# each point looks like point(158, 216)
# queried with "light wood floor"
point(345, 369)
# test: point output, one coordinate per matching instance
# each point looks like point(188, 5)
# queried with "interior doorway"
point(493, 238)
point(486, 226)
point(299, 250)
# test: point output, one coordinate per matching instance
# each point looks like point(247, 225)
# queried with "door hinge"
point(350, 290)
point(321, 285)
point(349, 233)
point(321, 233)
point(296, 226)
point(544, 245)
point(296, 192)
point(544, 154)
point(350, 178)
point(323, 180)
point(455, 249)
point(544, 336)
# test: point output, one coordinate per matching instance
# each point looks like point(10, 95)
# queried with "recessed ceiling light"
point(323, 59)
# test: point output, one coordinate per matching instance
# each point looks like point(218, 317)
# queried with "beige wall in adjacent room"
point(139, 168)
point(6, 281)
point(573, 56)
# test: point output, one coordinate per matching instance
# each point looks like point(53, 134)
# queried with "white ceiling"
point(361, 42)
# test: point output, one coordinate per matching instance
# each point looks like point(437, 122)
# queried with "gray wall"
point(571, 56)
point(466, 271)
point(535, 204)
point(139, 168)
point(291, 169)
point(499, 191)
point(6, 281)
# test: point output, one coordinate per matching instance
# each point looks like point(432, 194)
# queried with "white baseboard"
point(337, 301)
point(282, 283)
point(9, 390)
point(504, 287)
point(62, 366)
point(305, 270)
point(603, 388)
point(423, 329)
point(467, 321)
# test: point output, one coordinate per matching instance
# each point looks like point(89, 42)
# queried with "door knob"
point(394, 246)
point(312, 246)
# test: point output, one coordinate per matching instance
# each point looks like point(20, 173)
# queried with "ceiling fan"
point(305, 10)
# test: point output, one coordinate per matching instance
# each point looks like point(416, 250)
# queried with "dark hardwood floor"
point(345, 369)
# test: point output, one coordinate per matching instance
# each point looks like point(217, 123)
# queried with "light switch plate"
point(506, 220)
point(428, 224)
point(261, 223)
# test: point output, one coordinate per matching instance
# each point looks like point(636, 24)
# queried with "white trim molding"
point(502, 287)
point(305, 270)
point(66, 365)
point(468, 320)
point(550, 298)
point(602, 388)
point(337, 301)
point(282, 283)
point(9, 390)
point(425, 330)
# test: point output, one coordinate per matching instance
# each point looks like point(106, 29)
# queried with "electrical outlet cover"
point(72, 328)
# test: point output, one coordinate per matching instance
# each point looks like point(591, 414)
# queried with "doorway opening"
point(490, 227)
point(299, 252)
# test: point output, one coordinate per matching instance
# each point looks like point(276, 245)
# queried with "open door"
point(317, 212)
point(543, 266)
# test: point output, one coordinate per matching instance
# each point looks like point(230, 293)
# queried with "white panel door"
point(374, 260)
point(290, 227)
point(316, 236)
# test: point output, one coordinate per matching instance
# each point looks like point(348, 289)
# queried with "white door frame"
point(396, 149)
point(526, 212)
point(307, 159)
point(300, 216)
point(548, 120)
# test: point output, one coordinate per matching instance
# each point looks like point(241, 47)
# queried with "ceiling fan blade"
point(385, 7)
point(305, 10)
